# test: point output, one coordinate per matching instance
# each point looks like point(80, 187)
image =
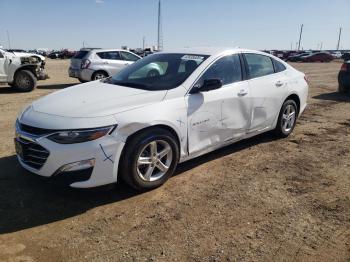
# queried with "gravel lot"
point(262, 199)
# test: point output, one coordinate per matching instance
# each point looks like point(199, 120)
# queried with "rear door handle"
point(242, 93)
point(279, 83)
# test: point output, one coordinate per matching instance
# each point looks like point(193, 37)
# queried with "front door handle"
point(279, 83)
point(242, 93)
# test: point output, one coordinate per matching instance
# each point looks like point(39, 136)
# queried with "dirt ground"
point(263, 199)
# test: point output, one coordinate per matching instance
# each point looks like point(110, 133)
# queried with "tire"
point(135, 174)
point(287, 119)
point(98, 75)
point(342, 89)
point(81, 80)
point(24, 81)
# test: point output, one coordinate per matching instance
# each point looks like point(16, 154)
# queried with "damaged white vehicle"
point(139, 126)
point(21, 70)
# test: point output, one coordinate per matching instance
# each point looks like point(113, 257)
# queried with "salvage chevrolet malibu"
point(164, 109)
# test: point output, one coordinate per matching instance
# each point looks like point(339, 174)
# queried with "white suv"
point(92, 64)
point(21, 70)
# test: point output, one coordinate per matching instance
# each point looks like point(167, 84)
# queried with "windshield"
point(158, 71)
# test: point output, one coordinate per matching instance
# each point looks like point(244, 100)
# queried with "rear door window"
point(259, 65)
point(111, 55)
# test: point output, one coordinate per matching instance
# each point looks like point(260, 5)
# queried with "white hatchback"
point(139, 125)
point(90, 64)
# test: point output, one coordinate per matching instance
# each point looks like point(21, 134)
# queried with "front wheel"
point(24, 81)
point(149, 159)
point(287, 118)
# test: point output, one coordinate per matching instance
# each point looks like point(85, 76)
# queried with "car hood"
point(95, 99)
point(19, 54)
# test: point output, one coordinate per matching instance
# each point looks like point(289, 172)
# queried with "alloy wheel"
point(288, 118)
point(154, 160)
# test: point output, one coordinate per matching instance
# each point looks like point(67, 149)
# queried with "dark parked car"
point(346, 56)
point(344, 77)
point(55, 55)
point(317, 57)
point(297, 58)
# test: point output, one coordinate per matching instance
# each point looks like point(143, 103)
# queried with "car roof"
point(209, 50)
point(107, 50)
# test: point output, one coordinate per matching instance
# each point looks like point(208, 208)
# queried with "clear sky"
point(258, 24)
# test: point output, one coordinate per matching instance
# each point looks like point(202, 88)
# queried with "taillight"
point(85, 63)
point(306, 79)
point(344, 67)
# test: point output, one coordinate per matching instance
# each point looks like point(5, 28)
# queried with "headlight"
point(79, 136)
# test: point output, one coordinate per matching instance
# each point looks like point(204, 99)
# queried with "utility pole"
point(143, 42)
point(160, 36)
point(321, 46)
point(340, 29)
point(301, 32)
point(8, 39)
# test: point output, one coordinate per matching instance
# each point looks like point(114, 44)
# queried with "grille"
point(31, 153)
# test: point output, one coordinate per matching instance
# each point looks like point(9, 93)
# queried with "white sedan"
point(140, 126)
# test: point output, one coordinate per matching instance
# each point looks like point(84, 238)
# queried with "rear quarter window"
point(279, 67)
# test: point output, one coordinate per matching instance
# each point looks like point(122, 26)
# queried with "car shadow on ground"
point(333, 96)
point(27, 200)
point(55, 86)
point(11, 90)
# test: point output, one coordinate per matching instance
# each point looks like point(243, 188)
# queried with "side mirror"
point(208, 85)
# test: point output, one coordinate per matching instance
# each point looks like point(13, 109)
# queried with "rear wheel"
point(149, 159)
point(287, 118)
point(82, 80)
point(99, 75)
point(24, 81)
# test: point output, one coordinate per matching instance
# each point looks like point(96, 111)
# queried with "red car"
point(317, 57)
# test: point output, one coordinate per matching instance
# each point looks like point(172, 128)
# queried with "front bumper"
point(41, 74)
point(105, 151)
